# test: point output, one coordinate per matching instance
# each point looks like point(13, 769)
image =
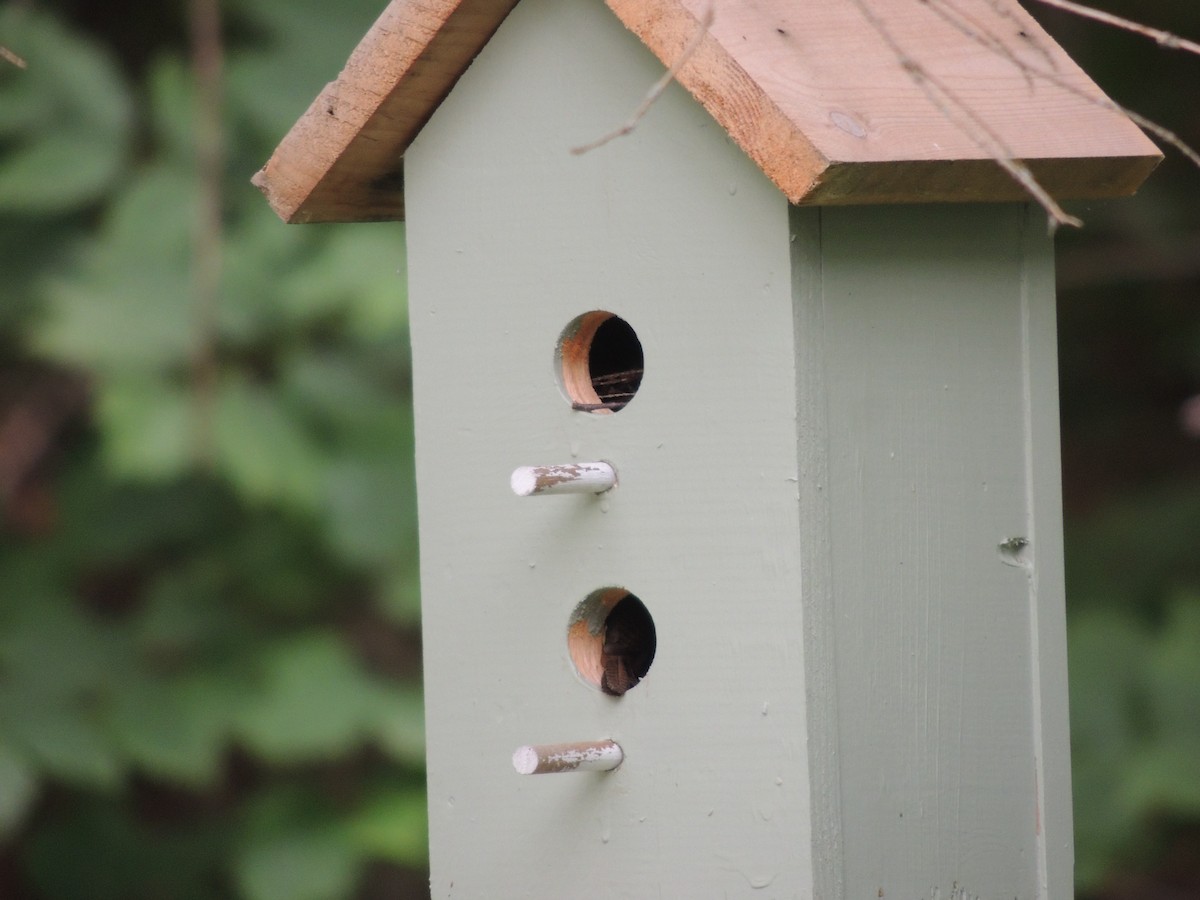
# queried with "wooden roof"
point(837, 101)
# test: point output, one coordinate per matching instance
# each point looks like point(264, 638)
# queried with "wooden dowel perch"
point(576, 478)
point(584, 756)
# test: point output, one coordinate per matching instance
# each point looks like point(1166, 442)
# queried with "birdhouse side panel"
point(933, 587)
point(511, 239)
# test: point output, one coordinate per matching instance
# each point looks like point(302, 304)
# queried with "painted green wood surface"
point(812, 494)
point(928, 434)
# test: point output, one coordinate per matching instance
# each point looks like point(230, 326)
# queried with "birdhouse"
point(737, 435)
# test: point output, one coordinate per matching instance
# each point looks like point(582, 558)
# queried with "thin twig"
point(11, 57)
point(1004, 10)
point(592, 407)
point(617, 377)
point(659, 86)
point(960, 114)
point(1163, 38)
point(978, 31)
point(205, 27)
point(1159, 131)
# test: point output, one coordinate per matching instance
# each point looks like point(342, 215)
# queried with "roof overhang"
point(909, 103)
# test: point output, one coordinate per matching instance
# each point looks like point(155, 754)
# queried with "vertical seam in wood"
point(816, 569)
point(1031, 535)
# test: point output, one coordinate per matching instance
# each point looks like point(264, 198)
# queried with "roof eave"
point(343, 159)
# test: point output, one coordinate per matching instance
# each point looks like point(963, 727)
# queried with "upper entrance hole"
point(599, 361)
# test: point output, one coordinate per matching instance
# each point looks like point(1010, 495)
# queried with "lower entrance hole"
point(611, 639)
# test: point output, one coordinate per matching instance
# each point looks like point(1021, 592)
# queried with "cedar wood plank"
point(813, 93)
point(342, 160)
point(807, 88)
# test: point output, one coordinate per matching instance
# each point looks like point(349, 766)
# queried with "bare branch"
point(1163, 38)
point(204, 19)
point(1158, 131)
point(966, 27)
point(969, 122)
point(656, 90)
point(1004, 10)
point(11, 57)
point(970, 26)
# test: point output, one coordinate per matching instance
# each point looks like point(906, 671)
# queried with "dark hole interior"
point(615, 363)
point(629, 643)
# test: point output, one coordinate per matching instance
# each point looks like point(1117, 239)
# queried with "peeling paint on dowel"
point(582, 756)
point(573, 478)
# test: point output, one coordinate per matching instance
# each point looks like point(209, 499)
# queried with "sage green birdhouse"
point(737, 435)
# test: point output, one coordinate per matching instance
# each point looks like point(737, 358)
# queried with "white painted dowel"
point(575, 478)
point(584, 756)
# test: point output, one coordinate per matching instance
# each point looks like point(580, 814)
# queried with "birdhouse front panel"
point(514, 245)
point(807, 612)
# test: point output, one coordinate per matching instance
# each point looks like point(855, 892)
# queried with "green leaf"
point(185, 611)
point(128, 306)
point(371, 510)
point(59, 666)
point(65, 743)
point(269, 89)
point(52, 652)
point(1144, 527)
point(314, 702)
point(28, 578)
point(279, 280)
point(149, 428)
point(399, 722)
point(65, 121)
point(1107, 651)
point(277, 565)
point(312, 865)
point(95, 848)
point(18, 789)
point(361, 270)
point(262, 448)
point(174, 729)
point(1164, 777)
point(29, 249)
point(368, 420)
point(393, 825)
point(400, 598)
point(1104, 822)
point(257, 256)
point(111, 522)
point(339, 389)
point(1174, 672)
point(53, 174)
point(172, 108)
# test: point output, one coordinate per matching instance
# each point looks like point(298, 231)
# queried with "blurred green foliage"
point(1134, 650)
point(208, 604)
point(1129, 338)
point(208, 677)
